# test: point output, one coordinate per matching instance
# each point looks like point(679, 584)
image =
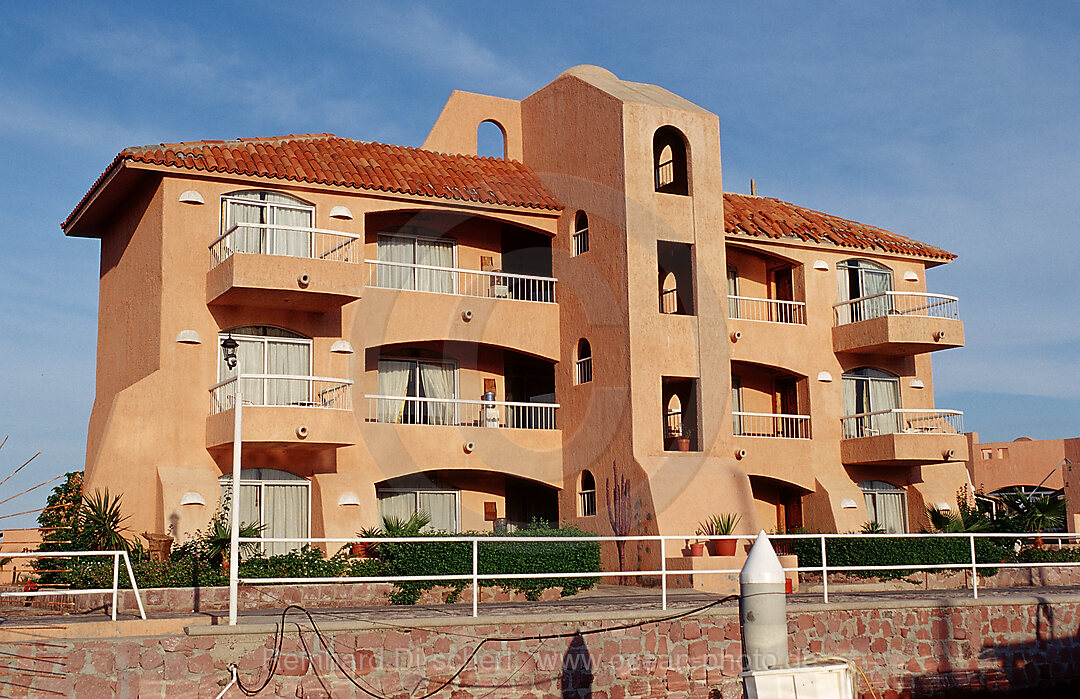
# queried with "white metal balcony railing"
point(903, 421)
point(774, 425)
point(458, 412)
point(900, 303)
point(290, 241)
point(460, 282)
point(282, 390)
point(767, 310)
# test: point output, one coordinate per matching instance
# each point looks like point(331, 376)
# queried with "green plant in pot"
point(368, 549)
point(717, 526)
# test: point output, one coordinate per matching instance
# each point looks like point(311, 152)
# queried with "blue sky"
point(953, 123)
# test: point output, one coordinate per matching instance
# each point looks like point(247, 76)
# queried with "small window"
point(987, 454)
point(886, 505)
point(669, 161)
point(587, 495)
point(581, 233)
point(584, 362)
point(1003, 452)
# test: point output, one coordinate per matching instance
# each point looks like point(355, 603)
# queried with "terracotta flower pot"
point(682, 443)
point(723, 547)
point(697, 550)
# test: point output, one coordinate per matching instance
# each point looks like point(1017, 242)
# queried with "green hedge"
point(907, 553)
point(455, 558)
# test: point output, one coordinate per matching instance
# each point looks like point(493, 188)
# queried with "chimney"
point(753, 187)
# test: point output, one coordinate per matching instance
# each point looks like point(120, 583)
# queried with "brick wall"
point(905, 651)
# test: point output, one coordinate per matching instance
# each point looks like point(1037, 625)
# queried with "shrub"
point(496, 557)
point(907, 553)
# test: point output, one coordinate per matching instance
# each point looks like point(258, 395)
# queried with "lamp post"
point(228, 353)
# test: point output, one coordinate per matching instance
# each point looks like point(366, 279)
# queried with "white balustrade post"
point(663, 575)
point(115, 581)
point(824, 572)
point(974, 569)
point(234, 506)
point(475, 579)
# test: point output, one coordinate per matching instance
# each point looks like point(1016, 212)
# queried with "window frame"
point(583, 370)
point(225, 481)
point(580, 238)
point(416, 500)
point(586, 503)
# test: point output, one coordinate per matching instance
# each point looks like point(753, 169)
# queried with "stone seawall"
point(915, 649)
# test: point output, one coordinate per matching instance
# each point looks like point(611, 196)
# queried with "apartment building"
point(589, 330)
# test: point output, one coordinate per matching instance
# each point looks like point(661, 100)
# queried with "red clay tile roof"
point(763, 216)
point(328, 159)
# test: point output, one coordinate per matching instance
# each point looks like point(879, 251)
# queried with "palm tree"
point(100, 523)
point(1030, 514)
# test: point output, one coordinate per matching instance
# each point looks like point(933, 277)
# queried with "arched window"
point(491, 139)
point(886, 505)
point(863, 291)
point(669, 294)
point(583, 372)
point(248, 221)
point(669, 161)
point(281, 358)
point(277, 500)
point(673, 417)
point(870, 398)
point(581, 233)
point(587, 494)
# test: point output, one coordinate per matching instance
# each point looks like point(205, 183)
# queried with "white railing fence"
point(775, 425)
point(903, 421)
point(460, 282)
point(902, 303)
point(291, 241)
point(663, 548)
point(767, 310)
point(117, 556)
point(459, 412)
point(282, 390)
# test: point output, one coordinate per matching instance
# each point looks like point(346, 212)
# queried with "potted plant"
point(367, 549)
point(717, 526)
point(696, 548)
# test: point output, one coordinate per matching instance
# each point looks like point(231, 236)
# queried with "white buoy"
point(763, 608)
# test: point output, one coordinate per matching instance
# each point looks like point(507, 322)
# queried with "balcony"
point(766, 310)
point(458, 412)
point(418, 303)
point(519, 439)
point(308, 269)
point(903, 437)
point(897, 322)
point(771, 425)
point(283, 410)
point(460, 282)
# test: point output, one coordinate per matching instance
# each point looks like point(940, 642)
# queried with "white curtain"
point(250, 360)
point(393, 381)
point(442, 507)
point(887, 509)
point(292, 359)
point(290, 242)
point(399, 505)
point(884, 395)
point(395, 248)
point(733, 290)
point(851, 388)
point(434, 253)
point(285, 513)
point(874, 282)
point(438, 382)
point(246, 239)
point(736, 404)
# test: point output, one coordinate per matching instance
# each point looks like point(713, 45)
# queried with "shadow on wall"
point(577, 675)
point(1047, 666)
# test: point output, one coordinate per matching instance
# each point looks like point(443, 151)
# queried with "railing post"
point(824, 571)
point(234, 505)
point(475, 580)
point(134, 585)
point(663, 575)
point(115, 581)
point(974, 568)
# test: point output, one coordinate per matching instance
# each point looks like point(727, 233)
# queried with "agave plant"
point(719, 525)
point(963, 521)
point(100, 523)
point(872, 527)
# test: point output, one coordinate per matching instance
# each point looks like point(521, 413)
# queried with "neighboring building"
point(16, 570)
point(1035, 466)
point(485, 338)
